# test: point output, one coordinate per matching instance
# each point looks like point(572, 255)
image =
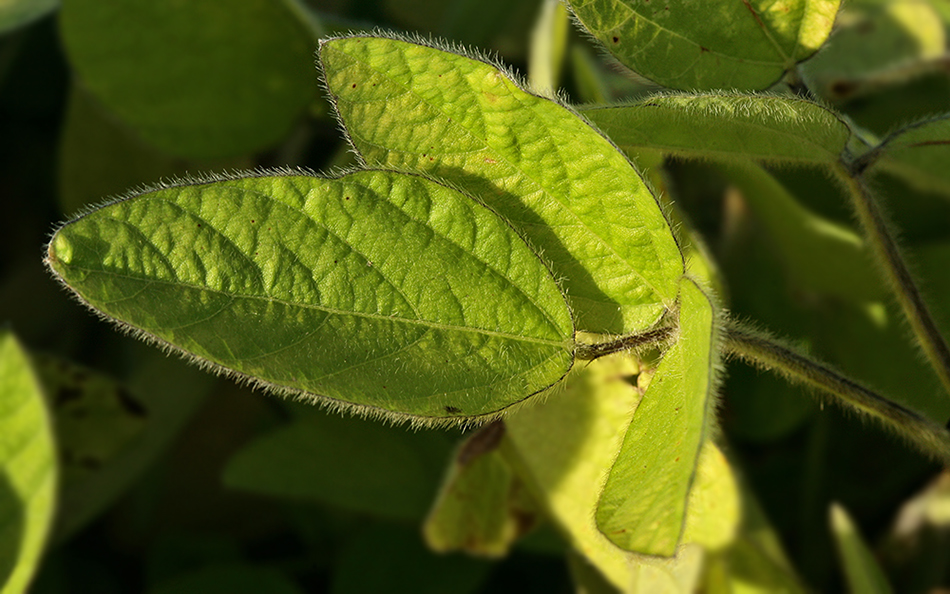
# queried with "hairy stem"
point(898, 276)
point(589, 352)
point(761, 350)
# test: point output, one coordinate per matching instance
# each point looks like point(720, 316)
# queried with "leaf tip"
point(59, 250)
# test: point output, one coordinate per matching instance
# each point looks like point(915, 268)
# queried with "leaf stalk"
point(895, 269)
point(763, 351)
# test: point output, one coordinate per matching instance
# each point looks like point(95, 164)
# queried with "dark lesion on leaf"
point(452, 410)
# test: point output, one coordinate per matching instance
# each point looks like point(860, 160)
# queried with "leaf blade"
point(643, 505)
point(918, 154)
point(233, 82)
point(366, 289)
point(28, 471)
point(726, 127)
point(559, 182)
point(679, 44)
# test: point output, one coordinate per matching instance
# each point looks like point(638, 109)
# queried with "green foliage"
point(288, 279)
point(556, 267)
point(17, 13)
point(153, 63)
point(864, 574)
point(643, 506)
point(28, 472)
point(741, 45)
point(530, 159)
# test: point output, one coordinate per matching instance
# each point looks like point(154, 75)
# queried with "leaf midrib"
point(330, 310)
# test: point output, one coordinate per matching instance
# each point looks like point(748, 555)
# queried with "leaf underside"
point(559, 182)
point(375, 289)
point(919, 155)
point(643, 505)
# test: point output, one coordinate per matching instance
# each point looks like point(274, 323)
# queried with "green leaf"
point(196, 79)
point(563, 449)
point(566, 189)
point(714, 506)
point(28, 473)
point(19, 13)
point(683, 44)
point(96, 418)
point(549, 42)
point(820, 255)
point(477, 23)
point(678, 575)
point(228, 579)
point(99, 156)
point(919, 154)
point(477, 510)
point(170, 392)
point(379, 290)
point(863, 573)
point(877, 44)
point(726, 127)
point(345, 462)
point(643, 506)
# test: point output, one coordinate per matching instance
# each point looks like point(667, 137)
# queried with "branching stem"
point(763, 351)
point(898, 275)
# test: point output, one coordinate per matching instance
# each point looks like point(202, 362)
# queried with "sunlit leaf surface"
point(564, 186)
point(377, 289)
point(684, 44)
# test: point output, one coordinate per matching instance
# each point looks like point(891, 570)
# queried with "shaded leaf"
point(726, 127)
point(714, 505)
point(478, 509)
point(98, 156)
point(498, 24)
point(678, 575)
point(682, 44)
point(860, 567)
point(563, 449)
point(567, 190)
point(876, 44)
point(919, 154)
point(820, 255)
point(643, 506)
point(196, 79)
point(19, 13)
point(377, 289)
point(96, 417)
point(345, 462)
point(170, 392)
point(549, 41)
point(28, 472)
point(754, 563)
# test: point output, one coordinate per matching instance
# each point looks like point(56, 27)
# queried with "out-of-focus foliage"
point(173, 481)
